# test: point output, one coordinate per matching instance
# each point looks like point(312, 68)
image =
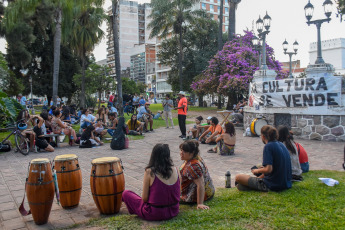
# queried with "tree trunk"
point(117, 57)
point(99, 99)
point(232, 99)
point(57, 45)
point(232, 20)
point(220, 32)
point(180, 59)
point(201, 100)
point(82, 94)
point(219, 101)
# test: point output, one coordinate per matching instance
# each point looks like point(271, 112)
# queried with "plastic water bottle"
point(228, 179)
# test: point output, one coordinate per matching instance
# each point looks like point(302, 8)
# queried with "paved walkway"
point(13, 171)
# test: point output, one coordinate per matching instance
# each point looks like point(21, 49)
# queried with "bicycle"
point(21, 141)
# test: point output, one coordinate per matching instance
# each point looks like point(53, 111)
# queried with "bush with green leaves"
point(9, 109)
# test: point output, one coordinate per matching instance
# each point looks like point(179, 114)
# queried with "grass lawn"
point(308, 205)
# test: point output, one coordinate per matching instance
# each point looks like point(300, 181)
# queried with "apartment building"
point(143, 59)
point(133, 20)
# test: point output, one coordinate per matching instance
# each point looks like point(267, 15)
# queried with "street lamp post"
point(260, 24)
point(257, 46)
point(309, 10)
point(285, 48)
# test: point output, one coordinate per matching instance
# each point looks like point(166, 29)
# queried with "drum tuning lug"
point(93, 172)
point(78, 166)
point(63, 168)
point(111, 171)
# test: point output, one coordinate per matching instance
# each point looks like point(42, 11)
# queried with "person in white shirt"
point(86, 119)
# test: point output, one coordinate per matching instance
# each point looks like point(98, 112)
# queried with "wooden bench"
point(55, 138)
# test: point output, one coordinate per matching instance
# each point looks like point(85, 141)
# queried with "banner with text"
point(299, 92)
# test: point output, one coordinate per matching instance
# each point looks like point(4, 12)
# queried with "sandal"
point(211, 151)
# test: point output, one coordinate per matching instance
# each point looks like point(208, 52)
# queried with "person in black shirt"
point(40, 141)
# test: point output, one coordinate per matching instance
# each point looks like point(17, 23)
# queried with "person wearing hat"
point(145, 116)
point(182, 113)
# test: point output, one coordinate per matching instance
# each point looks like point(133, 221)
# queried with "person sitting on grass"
point(52, 109)
point(215, 129)
point(113, 123)
point(161, 188)
point(135, 127)
point(66, 116)
point(275, 174)
point(201, 128)
point(99, 129)
point(196, 185)
point(40, 140)
point(88, 139)
point(226, 141)
point(194, 130)
point(60, 127)
point(287, 140)
point(145, 116)
point(86, 119)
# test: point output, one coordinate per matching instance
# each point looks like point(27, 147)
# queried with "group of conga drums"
point(106, 180)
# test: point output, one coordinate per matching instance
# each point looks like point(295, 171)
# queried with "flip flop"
point(211, 151)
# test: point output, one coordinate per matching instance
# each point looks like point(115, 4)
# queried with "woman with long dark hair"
point(197, 185)
point(287, 139)
point(135, 127)
point(161, 188)
point(28, 132)
point(275, 173)
point(226, 141)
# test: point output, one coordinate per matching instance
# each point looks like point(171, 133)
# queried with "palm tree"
point(169, 17)
point(232, 18)
point(86, 33)
point(115, 28)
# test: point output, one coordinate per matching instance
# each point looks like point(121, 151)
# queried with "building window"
point(218, 8)
point(226, 19)
point(226, 2)
point(211, 8)
point(226, 28)
point(203, 6)
point(226, 10)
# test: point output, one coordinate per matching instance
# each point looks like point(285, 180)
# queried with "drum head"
point(258, 125)
point(105, 160)
point(66, 157)
point(40, 161)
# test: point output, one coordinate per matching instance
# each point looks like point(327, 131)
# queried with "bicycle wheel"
point(22, 144)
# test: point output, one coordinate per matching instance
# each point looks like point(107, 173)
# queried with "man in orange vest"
point(182, 113)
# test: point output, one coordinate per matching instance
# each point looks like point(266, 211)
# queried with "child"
point(99, 129)
point(194, 129)
point(226, 141)
point(88, 140)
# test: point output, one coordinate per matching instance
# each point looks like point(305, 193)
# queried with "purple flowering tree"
point(231, 70)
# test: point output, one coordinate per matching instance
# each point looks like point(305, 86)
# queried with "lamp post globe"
point(260, 25)
point(327, 7)
point(255, 41)
point(267, 21)
point(309, 11)
point(285, 46)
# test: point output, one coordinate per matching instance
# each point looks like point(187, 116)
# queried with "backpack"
point(86, 144)
point(302, 154)
point(5, 147)
point(119, 138)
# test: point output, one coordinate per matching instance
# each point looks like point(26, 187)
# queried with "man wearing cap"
point(145, 116)
point(182, 113)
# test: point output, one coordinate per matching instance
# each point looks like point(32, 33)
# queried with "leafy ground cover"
point(308, 205)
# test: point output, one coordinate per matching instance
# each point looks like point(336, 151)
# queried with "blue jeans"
point(305, 167)
point(111, 131)
point(85, 124)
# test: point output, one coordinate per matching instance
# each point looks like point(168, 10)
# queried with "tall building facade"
point(132, 24)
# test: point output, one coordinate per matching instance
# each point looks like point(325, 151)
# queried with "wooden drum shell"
point(69, 178)
point(40, 194)
point(107, 185)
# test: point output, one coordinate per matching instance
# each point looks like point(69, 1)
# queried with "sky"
point(288, 21)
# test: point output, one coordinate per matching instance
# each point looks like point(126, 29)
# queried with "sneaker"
point(184, 137)
point(151, 130)
point(147, 131)
point(167, 127)
point(181, 136)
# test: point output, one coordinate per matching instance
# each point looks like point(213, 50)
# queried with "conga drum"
point(40, 190)
point(69, 178)
point(107, 184)
point(256, 125)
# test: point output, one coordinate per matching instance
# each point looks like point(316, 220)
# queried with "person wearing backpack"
point(88, 140)
point(119, 140)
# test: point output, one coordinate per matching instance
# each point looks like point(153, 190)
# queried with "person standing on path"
point(182, 113)
point(168, 105)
